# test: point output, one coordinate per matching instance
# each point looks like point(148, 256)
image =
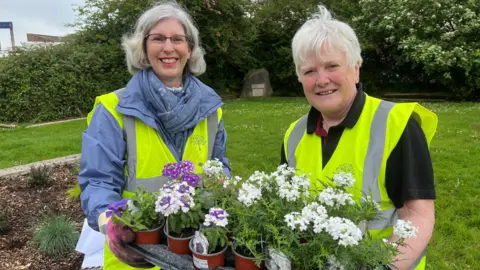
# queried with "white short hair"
point(322, 30)
point(133, 44)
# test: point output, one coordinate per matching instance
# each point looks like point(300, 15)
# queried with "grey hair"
point(322, 30)
point(133, 44)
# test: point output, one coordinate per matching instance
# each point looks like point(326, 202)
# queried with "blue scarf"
point(176, 113)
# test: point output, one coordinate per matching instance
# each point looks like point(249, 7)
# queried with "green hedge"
point(58, 82)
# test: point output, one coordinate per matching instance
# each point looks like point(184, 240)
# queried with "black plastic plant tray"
point(161, 256)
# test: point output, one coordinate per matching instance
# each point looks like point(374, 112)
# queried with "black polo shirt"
point(409, 172)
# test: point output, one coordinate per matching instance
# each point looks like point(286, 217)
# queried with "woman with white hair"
point(383, 144)
point(163, 115)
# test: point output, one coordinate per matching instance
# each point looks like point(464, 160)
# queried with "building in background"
point(43, 38)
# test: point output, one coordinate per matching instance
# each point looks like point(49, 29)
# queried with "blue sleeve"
point(220, 148)
point(101, 175)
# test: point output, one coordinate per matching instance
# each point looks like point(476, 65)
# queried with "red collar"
point(320, 131)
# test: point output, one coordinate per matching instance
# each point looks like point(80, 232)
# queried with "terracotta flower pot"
point(149, 237)
point(243, 262)
point(208, 261)
point(178, 245)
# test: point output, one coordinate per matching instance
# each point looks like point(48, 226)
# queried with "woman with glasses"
point(163, 115)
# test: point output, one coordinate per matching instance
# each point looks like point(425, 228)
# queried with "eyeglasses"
point(161, 39)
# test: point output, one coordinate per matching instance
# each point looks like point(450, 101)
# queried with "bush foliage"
point(405, 46)
point(57, 82)
point(39, 176)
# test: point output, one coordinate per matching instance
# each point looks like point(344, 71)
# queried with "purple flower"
point(183, 188)
point(185, 200)
point(192, 179)
point(168, 187)
point(116, 208)
point(217, 217)
point(186, 167)
point(219, 214)
point(166, 200)
point(171, 170)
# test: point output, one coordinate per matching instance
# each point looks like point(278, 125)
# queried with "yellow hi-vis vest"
point(147, 153)
point(363, 151)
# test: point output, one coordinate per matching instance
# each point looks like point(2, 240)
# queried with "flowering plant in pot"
point(183, 203)
point(211, 241)
point(138, 213)
point(223, 189)
point(302, 227)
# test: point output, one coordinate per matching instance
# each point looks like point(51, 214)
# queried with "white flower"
point(291, 218)
point(343, 179)
point(249, 193)
point(303, 182)
point(343, 230)
point(334, 264)
point(289, 192)
point(132, 208)
point(335, 198)
point(317, 214)
point(213, 168)
point(260, 179)
point(231, 181)
point(226, 183)
point(405, 229)
point(295, 219)
point(386, 241)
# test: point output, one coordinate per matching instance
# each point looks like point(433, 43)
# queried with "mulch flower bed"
point(26, 206)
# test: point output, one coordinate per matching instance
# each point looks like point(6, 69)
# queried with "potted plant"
point(241, 224)
point(249, 228)
point(210, 243)
point(305, 228)
point(138, 213)
point(222, 189)
point(182, 203)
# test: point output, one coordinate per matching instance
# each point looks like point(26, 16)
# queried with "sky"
point(47, 17)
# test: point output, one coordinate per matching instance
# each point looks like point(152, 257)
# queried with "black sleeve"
point(409, 173)
point(283, 159)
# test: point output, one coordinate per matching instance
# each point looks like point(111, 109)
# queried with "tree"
point(226, 32)
point(277, 22)
point(439, 36)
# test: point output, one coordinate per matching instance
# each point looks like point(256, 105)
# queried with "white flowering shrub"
point(213, 168)
point(312, 228)
point(440, 37)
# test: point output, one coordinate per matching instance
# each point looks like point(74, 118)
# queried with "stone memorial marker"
point(257, 84)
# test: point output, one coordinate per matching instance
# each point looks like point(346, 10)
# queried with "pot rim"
point(190, 245)
point(165, 230)
point(152, 230)
point(234, 245)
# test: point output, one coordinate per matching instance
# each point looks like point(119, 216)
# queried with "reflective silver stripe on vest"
point(373, 162)
point(373, 159)
point(418, 260)
point(155, 183)
point(294, 139)
point(212, 125)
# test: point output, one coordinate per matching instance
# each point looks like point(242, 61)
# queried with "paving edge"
point(24, 169)
point(55, 122)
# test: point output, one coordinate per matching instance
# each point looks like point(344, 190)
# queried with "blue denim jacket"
point(101, 175)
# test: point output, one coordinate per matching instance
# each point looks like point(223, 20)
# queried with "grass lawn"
point(25, 145)
point(255, 133)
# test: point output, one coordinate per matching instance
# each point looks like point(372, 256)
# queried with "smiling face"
point(168, 57)
point(328, 82)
